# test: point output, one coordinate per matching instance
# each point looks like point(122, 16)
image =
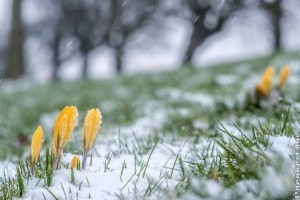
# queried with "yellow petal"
point(265, 86)
point(36, 144)
point(268, 75)
point(92, 122)
point(262, 90)
point(63, 128)
point(74, 163)
point(270, 71)
point(267, 82)
point(284, 73)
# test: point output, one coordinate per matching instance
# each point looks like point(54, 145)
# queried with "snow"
point(281, 145)
point(174, 94)
point(130, 146)
point(7, 169)
point(98, 183)
point(226, 79)
point(201, 125)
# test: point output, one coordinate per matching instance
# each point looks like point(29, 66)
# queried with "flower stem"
point(84, 159)
point(32, 167)
point(56, 161)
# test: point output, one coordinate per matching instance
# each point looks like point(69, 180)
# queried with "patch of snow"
point(278, 184)
point(201, 125)
point(281, 145)
point(98, 182)
point(252, 120)
point(183, 112)
point(20, 84)
point(176, 95)
point(226, 79)
point(7, 169)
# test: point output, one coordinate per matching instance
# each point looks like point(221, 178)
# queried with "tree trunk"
point(56, 58)
point(15, 61)
point(85, 65)
point(276, 19)
point(277, 34)
point(119, 60)
point(196, 39)
point(275, 12)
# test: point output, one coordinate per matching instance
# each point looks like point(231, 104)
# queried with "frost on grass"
point(226, 153)
point(130, 164)
point(126, 174)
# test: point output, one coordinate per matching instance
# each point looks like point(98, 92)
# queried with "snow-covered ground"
point(127, 163)
point(121, 168)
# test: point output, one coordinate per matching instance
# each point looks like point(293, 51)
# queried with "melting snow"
point(175, 94)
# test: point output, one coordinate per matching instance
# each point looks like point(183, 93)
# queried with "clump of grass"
point(239, 158)
point(243, 157)
point(11, 188)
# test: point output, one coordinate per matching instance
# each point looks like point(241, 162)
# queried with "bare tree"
point(92, 24)
point(110, 23)
point(83, 20)
point(274, 10)
point(207, 17)
point(14, 67)
point(125, 19)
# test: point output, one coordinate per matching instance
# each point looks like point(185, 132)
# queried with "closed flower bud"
point(36, 146)
point(265, 86)
point(92, 123)
point(63, 129)
point(74, 163)
point(284, 73)
point(91, 127)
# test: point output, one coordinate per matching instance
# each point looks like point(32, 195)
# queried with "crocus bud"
point(265, 86)
point(74, 163)
point(92, 123)
point(63, 129)
point(284, 73)
point(36, 146)
point(91, 127)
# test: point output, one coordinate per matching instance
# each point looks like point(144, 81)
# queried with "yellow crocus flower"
point(283, 75)
point(36, 146)
point(92, 123)
point(265, 86)
point(63, 129)
point(268, 78)
point(74, 163)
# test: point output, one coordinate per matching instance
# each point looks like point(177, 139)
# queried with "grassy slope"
point(121, 100)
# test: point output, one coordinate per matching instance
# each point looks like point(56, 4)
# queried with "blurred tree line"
point(91, 24)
